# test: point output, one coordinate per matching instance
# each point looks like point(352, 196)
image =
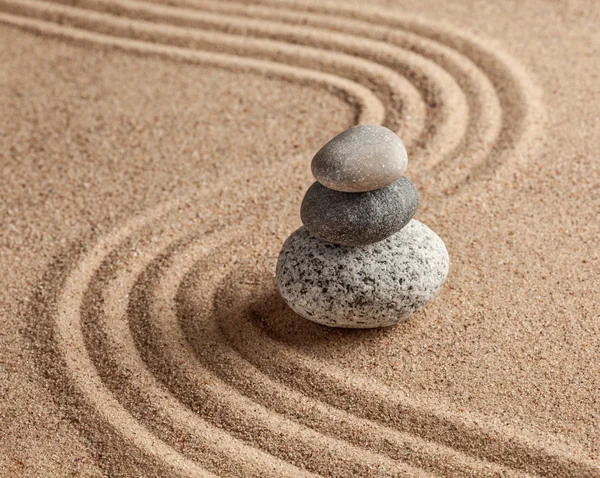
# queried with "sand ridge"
point(447, 83)
point(166, 336)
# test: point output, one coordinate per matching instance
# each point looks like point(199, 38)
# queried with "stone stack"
point(361, 260)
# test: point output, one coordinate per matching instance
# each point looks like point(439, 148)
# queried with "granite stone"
point(362, 287)
point(362, 158)
point(358, 219)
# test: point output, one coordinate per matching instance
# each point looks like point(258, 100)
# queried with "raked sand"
point(153, 161)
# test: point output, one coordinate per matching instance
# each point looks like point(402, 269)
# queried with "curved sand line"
point(111, 279)
point(103, 309)
point(389, 85)
point(443, 109)
point(153, 322)
point(104, 412)
point(543, 453)
point(170, 358)
point(104, 321)
point(486, 136)
point(481, 69)
point(515, 90)
point(370, 108)
point(116, 427)
point(122, 277)
point(122, 288)
point(434, 148)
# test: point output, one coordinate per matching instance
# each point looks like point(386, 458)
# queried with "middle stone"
point(358, 219)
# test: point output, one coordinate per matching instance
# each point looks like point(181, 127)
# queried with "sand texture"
point(153, 160)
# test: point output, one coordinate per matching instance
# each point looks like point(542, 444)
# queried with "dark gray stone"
point(362, 287)
point(358, 219)
point(362, 158)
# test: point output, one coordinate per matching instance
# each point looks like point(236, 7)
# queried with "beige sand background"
point(153, 161)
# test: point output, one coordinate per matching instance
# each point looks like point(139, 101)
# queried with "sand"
point(154, 158)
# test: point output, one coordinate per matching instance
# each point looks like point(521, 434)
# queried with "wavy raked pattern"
point(150, 356)
point(458, 109)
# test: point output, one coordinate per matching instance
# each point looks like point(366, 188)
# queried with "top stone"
point(363, 158)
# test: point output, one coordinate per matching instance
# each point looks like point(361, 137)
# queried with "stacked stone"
point(361, 260)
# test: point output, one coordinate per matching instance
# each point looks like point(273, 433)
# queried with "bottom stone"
point(377, 285)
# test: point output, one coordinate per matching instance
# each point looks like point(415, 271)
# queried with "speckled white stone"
point(362, 158)
point(377, 285)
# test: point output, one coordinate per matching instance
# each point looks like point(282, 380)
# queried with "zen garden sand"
point(154, 158)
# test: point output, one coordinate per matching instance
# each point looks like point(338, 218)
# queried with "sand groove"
point(519, 99)
point(116, 359)
point(253, 338)
point(370, 108)
point(177, 369)
point(140, 284)
point(439, 106)
point(444, 86)
point(384, 82)
point(155, 327)
point(512, 112)
point(156, 317)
